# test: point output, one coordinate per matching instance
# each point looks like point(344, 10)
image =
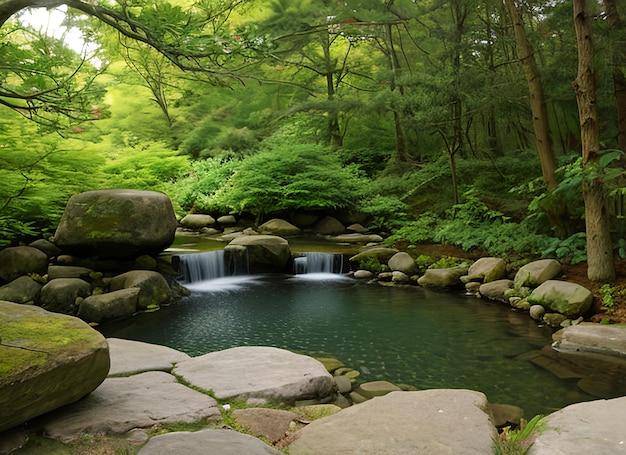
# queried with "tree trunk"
point(600, 263)
point(619, 80)
point(526, 56)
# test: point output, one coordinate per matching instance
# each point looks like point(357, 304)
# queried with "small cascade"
point(211, 265)
point(319, 263)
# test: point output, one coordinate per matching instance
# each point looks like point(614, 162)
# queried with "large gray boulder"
point(329, 226)
point(266, 253)
point(153, 287)
point(403, 262)
point(197, 221)
point(121, 404)
point(486, 270)
point(279, 227)
point(112, 305)
point(203, 442)
point(443, 278)
point(442, 422)
point(496, 290)
point(593, 338)
point(21, 260)
point(259, 374)
point(60, 295)
point(47, 360)
point(595, 427)
point(570, 299)
point(533, 274)
point(21, 290)
point(116, 224)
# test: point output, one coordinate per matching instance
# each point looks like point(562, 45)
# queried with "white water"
point(315, 263)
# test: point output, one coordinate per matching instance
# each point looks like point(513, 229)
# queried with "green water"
point(406, 335)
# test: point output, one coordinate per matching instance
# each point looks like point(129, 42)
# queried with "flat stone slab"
point(259, 374)
point(133, 357)
point(597, 338)
point(594, 427)
point(222, 442)
point(442, 422)
point(121, 404)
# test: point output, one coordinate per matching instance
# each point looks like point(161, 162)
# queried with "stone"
point(376, 389)
point(487, 269)
point(68, 271)
point(154, 290)
point(597, 338)
point(357, 398)
point(329, 226)
point(379, 253)
point(554, 319)
point(21, 290)
point(496, 290)
point(363, 275)
point(279, 227)
point(570, 299)
point(265, 252)
point(112, 305)
point(197, 221)
point(22, 260)
point(227, 220)
point(145, 262)
point(357, 238)
point(358, 228)
point(403, 262)
point(133, 357)
point(47, 360)
point(594, 427)
point(122, 404)
point(47, 247)
point(271, 424)
point(399, 277)
point(506, 414)
point(344, 384)
point(265, 374)
point(222, 442)
point(536, 312)
point(443, 278)
point(60, 295)
point(317, 411)
point(473, 286)
point(330, 363)
point(417, 423)
point(536, 272)
point(116, 224)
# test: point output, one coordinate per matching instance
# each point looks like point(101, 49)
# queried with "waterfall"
point(318, 263)
point(212, 264)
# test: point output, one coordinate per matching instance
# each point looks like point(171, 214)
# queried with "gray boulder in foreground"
point(203, 442)
point(596, 338)
point(442, 422)
point(258, 373)
point(595, 427)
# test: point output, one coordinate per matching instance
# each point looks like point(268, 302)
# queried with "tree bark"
point(600, 263)
point(619, 80)
point(526, 56)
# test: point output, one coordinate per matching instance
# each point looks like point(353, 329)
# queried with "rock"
point(271, 424)
point(403, 262)
point(47, 360)
point(358, 228)
point(122, 404)
point(473, 287)
point(227, 220)
point(260, 373)
point(536, 312)
point(21, 290)
point(197, 221)
point(265, 252)
point(357, 398)
point(112, 305)
point(399, 277)
point(22, 260)
point(357, 238)
point(537, 272)
point(506, 414)
point(554, 319)
point(425, 422)
point(329, 226)
point(68, 271)
point(60, 295)
point(344, 385)
point(145, 262)
point(330, 363)
point(153, 288)
point(209, 231)
point(47, 247)
point(487, 270)
point(382, 255)
point(279, 227)
point(134, 357)
point(595, 427)
point(376, 389)
point(222, 442)
point(496, 290)
point(443, 278)
point(116, 224)
point(601, 339)
point(567, 298)
point(363, 275)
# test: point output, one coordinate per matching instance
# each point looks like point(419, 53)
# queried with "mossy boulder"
point(153, 288)
point(47, 360)
point(21, 290)
point(569, 299)
point(116, 224)
point(266, 253)
point(535, 273)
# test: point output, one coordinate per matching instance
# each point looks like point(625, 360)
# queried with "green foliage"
point(11, 230)
point(519, 442)
point(572, 249)
point(373, 264)
point(612, 297)
point(447, 262)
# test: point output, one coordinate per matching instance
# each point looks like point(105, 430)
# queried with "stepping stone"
point(133, 357)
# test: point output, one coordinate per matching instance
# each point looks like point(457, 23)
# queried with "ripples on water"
point(406, 335)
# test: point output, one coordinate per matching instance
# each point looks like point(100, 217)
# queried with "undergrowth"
point(519, 442)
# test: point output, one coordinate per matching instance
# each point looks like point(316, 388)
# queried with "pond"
point(403, 334)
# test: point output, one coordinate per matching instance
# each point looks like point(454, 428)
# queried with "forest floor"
point(575, 273)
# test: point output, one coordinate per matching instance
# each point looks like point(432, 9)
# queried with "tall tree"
point(600, 261)
point(616, 27)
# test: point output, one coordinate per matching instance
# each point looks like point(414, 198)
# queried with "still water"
point(406, 335)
